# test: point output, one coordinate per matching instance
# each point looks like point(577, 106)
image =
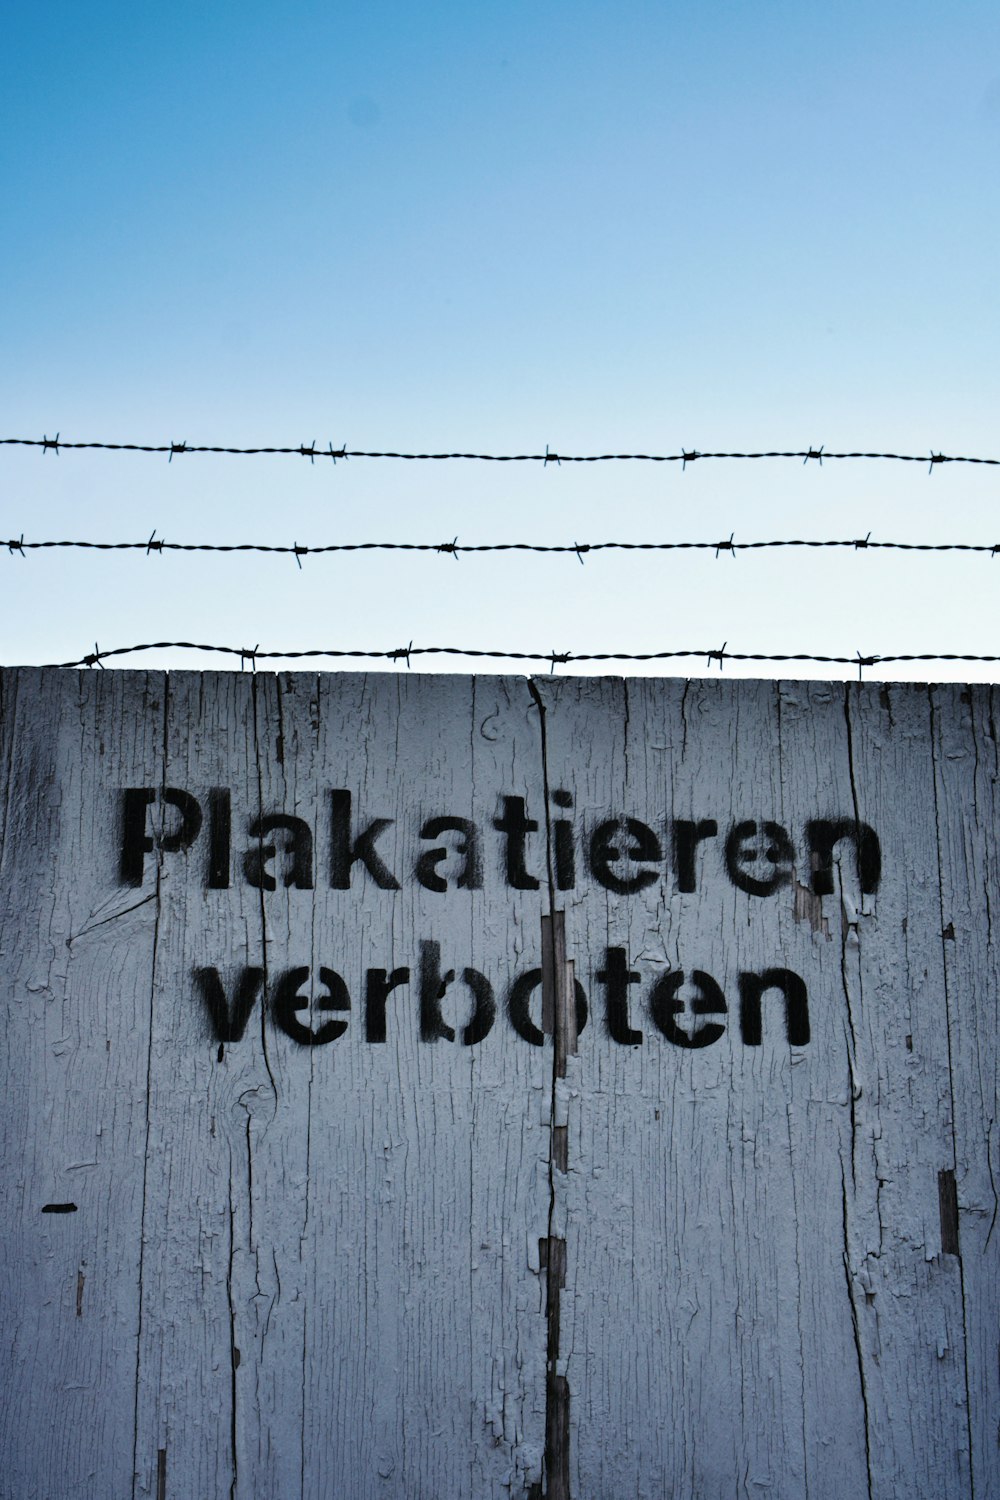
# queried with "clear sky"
point(496, 227)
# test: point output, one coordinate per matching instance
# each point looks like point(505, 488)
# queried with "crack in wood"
point(560, 1006)
point(115, 916)
point(161, 1479)
point(856, 1330)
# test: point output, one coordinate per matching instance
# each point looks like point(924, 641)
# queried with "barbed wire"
point(312, 452)
point(454, 548)
point(721, 655)
point(251, 656)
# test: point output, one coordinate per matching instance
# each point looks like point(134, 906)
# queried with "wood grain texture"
point(322, 1270)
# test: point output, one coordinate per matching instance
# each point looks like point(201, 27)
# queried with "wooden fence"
point(447, 1087)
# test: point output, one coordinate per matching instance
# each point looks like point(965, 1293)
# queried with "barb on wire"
point(404, 653)
point(298, 550)
point(684, 457)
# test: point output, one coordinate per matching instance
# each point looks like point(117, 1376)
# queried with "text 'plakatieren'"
point(622, 853)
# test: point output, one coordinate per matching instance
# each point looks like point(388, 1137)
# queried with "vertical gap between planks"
point(560, 1011)
point(559, 1022)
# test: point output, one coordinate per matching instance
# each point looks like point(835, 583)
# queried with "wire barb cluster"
point(312, 452)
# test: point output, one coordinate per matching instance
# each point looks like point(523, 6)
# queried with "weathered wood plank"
point(767, 1209)
point(333, 1249)
point(682, 1236)
point(910, 1321)
point(77, 956)
point(968, 816)
point(421, 1256)
point(198, 1202)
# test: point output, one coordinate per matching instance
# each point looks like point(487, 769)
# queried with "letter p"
point(137, 843)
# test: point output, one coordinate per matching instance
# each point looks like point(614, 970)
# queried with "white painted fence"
point(289, 1165)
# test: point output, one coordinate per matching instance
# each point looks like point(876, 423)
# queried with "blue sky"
point(496, 227)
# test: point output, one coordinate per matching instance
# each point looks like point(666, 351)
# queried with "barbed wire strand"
point(312, 452)
point(555, 658)
point(453, 548)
